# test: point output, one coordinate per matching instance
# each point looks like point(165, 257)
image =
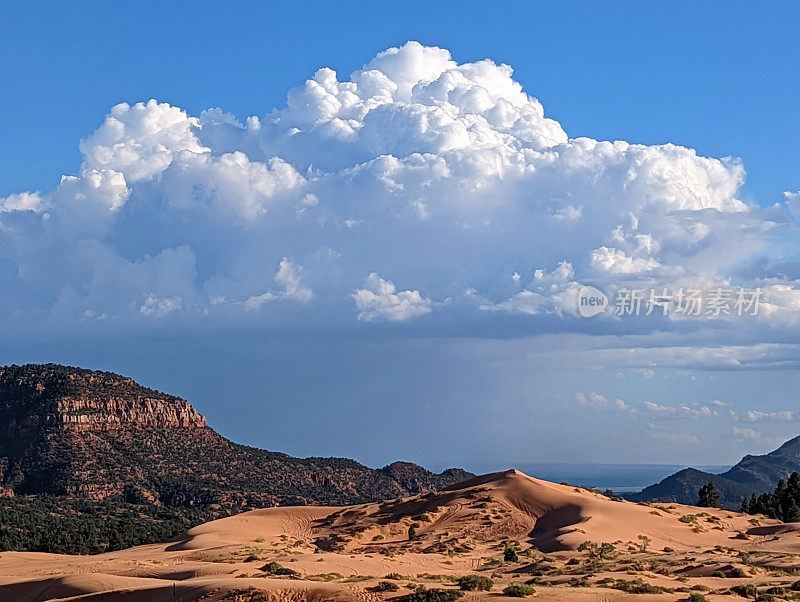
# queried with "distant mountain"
point(98, 436)
point(753, 474)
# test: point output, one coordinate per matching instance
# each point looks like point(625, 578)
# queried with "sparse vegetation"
point(510, 554)
point(518, 590)
point(248, 594)
point(475, 583)
point(275, 568)
point(423, 594)
point(637, 586)
point(599, 551)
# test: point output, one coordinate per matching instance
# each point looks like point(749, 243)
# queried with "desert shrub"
point(325, 577)
point(718, 574)
point(518, 590)
point(637, 586)
point(386, 586)
point(745, 591)
point(745, 557)
point(776, 591)
point(250, 594)
point(475, 583)
point(688, 518)
point(357, 578)
point(603, 550)
point(275, 568)
point(696, 597)
point(510, 554)
point(433, 595)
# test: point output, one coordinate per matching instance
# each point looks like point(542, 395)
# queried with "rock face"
point(753, 474)
point(100, 436)
point(32, 397)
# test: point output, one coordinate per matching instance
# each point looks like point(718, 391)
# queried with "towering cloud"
point(446, 178)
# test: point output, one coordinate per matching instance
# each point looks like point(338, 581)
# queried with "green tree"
point(792, 513)
point(709, 496)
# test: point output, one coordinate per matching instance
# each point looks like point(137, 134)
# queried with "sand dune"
point(430, 540)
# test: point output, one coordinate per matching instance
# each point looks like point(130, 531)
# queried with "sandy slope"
point(342, 553)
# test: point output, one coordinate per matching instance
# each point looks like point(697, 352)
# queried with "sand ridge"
point(570, 543)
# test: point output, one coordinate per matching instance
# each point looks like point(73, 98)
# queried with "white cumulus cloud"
point(447, 175)
point(379, 299)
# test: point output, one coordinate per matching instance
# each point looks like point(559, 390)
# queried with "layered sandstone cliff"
point(100, 436)
point(33, 397)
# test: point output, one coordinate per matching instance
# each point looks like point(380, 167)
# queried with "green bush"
point(745, 591)
point(510, 554)
point(776, 591)
point(637, 586)
point(274, 568)
point(386, 586)
point(433, 595)
point(475, 583)
point(518, 590)
point(695, 597)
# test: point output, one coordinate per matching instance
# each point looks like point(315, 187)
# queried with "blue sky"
point(716, 76)
point(393, 256)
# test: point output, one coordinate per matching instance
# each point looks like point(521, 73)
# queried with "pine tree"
point(709, 496)
point(792, 513)
point(783, 503)
point(793, 486)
